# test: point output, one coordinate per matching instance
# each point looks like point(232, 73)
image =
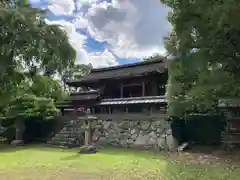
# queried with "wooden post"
point(143, 88)
point(154, 87)
point(62, 111)
point(151, 110)
point(75, 113)
point(121, 91)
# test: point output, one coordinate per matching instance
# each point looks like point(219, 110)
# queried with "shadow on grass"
point(72, 157)
point(118, 152)
point(171, 168)
point(9, 148)
point(135, 152)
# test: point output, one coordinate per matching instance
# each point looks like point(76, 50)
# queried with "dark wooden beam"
point(143, 88)
point(154, 87)
point(121, 91)
point(93, 110)
point(132, 84)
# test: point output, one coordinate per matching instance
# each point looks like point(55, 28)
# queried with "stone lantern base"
point(89, 149)
point(17, 142)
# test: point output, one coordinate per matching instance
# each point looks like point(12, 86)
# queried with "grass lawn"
point(41, 163)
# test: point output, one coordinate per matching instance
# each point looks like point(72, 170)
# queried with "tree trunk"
point(20, 127)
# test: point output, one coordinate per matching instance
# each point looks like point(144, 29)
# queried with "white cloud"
point(97, 59)
point(81, 22)
point(61, 7)
point(76, 39)
point(133, 28)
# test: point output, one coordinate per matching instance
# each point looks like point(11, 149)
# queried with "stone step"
point(56, 146)
point(71, 139)
point(73, 129)
point(66, 132)
point(62, 144)
point(62, 135)
point(68, 135)
point(61, 139)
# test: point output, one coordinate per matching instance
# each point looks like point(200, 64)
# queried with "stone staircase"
point(71, 135)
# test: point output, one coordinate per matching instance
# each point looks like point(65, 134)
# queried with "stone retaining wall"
point(155, 134)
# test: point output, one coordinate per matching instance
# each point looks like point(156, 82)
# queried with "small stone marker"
point(182, 147)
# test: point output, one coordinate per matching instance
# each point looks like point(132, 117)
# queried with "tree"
point(35, 98)
point(29, 44)
point(44, 86)
point(75, 72)
point(208, 26)
point(205, 40)
point(31, 53)
point(29, 105)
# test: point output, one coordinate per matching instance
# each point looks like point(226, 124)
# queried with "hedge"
point(202, 129)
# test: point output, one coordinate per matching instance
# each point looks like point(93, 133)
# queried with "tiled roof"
point(115, 101)
point(122, 71)
point(86, 95)
point(134, 100)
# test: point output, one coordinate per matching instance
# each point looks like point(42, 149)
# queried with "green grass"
point(40, 163)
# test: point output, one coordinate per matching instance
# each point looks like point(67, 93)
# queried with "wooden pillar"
point(150, 109)
point(88, 136)
point(126, 110)
point(154, 88)
point(75, 113)
point(143, 88)
point(62, 111)
point(93, 110)
point(121, 91)
point(109, 111)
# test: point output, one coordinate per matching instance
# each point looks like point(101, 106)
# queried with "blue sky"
point(110, 32)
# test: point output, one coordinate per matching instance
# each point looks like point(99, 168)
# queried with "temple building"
point(122, 106)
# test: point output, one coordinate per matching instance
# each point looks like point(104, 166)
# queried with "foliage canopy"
point(206, 43)
point(28, 46)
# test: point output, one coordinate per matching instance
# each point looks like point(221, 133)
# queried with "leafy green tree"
point(29, 44)
point(29, 48)
point(43, 86)
point(204, 40)
point(29, 105)
point(75, 72)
